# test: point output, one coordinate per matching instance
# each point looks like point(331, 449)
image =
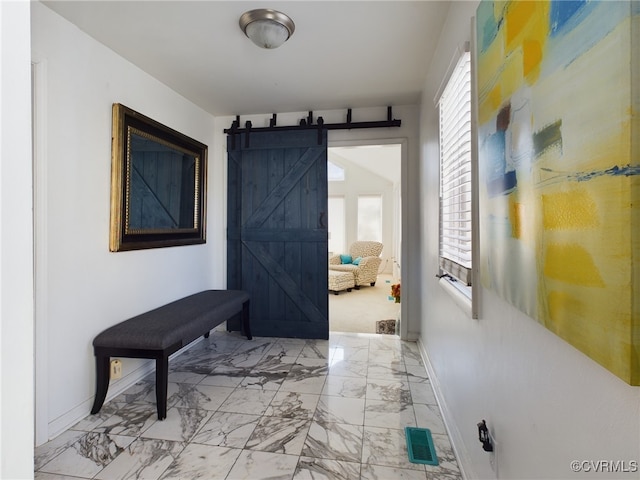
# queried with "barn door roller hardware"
point(307, 124)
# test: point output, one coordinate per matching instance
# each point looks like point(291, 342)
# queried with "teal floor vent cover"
point(420, 446)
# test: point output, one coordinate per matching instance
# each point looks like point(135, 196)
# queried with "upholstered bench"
point(340, 281)
point(165, 330)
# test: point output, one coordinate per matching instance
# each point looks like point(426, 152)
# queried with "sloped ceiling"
point(382, 160)
point(343, 54)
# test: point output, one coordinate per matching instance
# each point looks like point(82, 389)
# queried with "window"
point(455, 174)
point(370, 217)
point(335, 173)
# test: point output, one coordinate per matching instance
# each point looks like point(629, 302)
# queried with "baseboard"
point(457, 443)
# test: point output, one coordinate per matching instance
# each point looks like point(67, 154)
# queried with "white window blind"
point(455, 173)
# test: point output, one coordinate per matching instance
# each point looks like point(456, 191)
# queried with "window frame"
point(467, 297)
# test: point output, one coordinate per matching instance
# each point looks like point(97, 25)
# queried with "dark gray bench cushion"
point(160, 328)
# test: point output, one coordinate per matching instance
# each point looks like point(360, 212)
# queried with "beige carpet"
point(358, 310)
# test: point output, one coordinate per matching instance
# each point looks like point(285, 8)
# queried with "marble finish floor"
point(269, 408)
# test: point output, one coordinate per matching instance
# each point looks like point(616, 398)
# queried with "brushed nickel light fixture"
point(267, 28)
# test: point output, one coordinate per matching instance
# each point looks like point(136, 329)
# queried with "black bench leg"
point(102, 382)
point(162, 380)
point(246, 327)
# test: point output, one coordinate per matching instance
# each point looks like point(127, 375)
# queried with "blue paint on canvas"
point(489, 27)
point(562, 11)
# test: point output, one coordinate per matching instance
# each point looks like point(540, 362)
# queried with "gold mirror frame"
point(158, 184)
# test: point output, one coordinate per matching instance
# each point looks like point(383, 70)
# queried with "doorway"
point(364, 190)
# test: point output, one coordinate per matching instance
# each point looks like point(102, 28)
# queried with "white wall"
point(546, 403)
point(16, 281)
point(87, 288)
point(359, 181)
point(407, 136)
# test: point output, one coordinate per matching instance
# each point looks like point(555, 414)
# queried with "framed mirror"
point(158, 184)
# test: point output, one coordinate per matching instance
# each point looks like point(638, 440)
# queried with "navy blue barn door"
point(277, 230)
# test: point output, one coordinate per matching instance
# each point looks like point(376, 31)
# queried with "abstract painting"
point(559, 169)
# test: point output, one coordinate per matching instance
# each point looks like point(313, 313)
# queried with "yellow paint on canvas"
point(489, 94)
point(516, 54)
point(497, 94)
point(527, 29)
point(517, 17)
point(516, 214)
point(531, 59)
point(511, 78)
point(573, 215)
point(594, 323)
point(494, 100)
point(571, 263)
point(574, 209)
point(562, 304)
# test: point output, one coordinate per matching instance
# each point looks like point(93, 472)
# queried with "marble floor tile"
point(387, 447)
point(204, 397)
point(257, 346)
point(323, 469)
point(447, 467)
point(253, 464)
point(180, 425)
point(340, 410)
point(317, 349)
point(144, 459)
point(412, 356)
point(377, 472)
point(55, 447)
point(350, 354)
point(348, 368)
point(88, 455)
point(306, 376)
point(385, 356)
point(265, 381)
point(388, 390)
point(396, 415)
point(334, 441)
point(247, 400)
point(238, 362)
point(285, 349)
point(293, 405)
point(222, 380)
point(54, 476)
point(416, 372)
point(142, 392)
point(422, 393)
point(270, 408)
point(349, 387)
point(227, 430)
point(350, 340)
point(185, 377)
point(274, 364)
point(387, 371)
point(428, 416)
point(279, 435)
point(129, 419)
point(204, 462)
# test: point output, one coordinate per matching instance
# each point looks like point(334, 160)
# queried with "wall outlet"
point(116, 369)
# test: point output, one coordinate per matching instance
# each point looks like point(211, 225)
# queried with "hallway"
point(266, 408)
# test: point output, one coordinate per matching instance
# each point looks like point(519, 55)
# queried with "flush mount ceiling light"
point(267, 28)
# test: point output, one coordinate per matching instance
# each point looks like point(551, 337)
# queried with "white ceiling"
point(343, 54)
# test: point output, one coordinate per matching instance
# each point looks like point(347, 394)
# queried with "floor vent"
point(420, 446)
